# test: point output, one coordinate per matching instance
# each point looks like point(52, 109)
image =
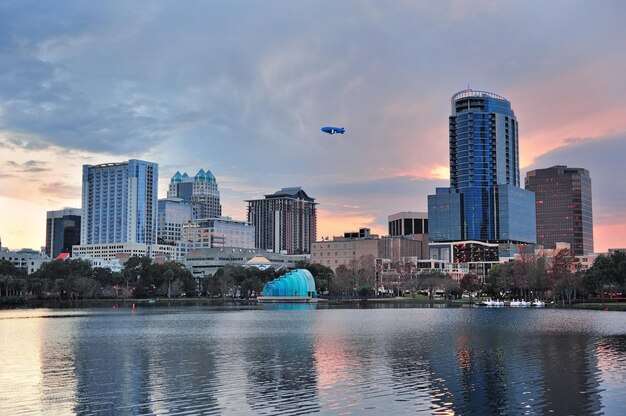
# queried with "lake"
point(300, 359)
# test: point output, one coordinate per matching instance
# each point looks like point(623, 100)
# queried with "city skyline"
point(244, 92)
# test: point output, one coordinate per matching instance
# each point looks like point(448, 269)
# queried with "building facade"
point(26, 259)
point(484, 201)
point(119, 203)
point(62, 231)
point(214, 232)
point(123, 251)
point(465, 257)
point(563, 207)
point(204, 262)
point(412, 225)
point(354, 246)
point(200, 190)
point(172, 214)
point(285, 221)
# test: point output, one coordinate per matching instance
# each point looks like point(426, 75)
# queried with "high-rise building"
point(201, 190)
point(484, 201)
point(563, 204)
point(62, 231)
point(410, 224)
point(172, 214)
point(119, 203)
point(285, 221)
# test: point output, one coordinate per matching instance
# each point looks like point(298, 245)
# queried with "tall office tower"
point(484, 201)
point(62, 231)
point(412, 225)
point(173, 213)
point(563, 202)
point(201, 190)
point(119, 203)
point(285, 221)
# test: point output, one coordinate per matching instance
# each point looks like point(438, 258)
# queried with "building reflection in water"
point(279, 359)
point(132, 363)
point(296, 360)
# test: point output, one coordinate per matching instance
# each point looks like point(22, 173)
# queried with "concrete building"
point(465, 257)
point(563, 207)
point(115, 265)
point(62, 231)
point(411, 225)
point(214, 232)
point(484, 201)
point(26, 259)
point(345, 250)
point(119, 203)
point(200, 190)
point(204, 262)
point(172, 214)
point(285, 221)
point(123, 251)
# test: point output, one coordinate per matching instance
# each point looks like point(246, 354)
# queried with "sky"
point(242, 88)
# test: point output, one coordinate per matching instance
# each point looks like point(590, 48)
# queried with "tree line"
point(78, 279)
point(559, 278)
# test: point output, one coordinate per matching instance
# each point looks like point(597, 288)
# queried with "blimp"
point(333, 130)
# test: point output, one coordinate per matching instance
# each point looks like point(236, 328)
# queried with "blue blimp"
point(333, 130)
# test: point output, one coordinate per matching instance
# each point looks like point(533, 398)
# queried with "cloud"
point(30, 166)
point(243, 90)
point(60, 190)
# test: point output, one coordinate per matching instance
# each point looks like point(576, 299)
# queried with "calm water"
point(298, 360)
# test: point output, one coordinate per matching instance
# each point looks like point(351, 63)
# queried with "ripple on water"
point(291, 362)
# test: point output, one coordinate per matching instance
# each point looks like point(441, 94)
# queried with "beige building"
point(354, 245)
point(410, 224)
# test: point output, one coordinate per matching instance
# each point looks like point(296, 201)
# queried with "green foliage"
point(607, 272)
point(232, 279)
point(470, 283)
point(323, 275)
point(365, 291)
point(158, 279)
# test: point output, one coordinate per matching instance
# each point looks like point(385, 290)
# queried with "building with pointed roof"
point(201, 191)
point(285, 221)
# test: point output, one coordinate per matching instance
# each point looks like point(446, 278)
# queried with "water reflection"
point(281, 368)
point(298, 359)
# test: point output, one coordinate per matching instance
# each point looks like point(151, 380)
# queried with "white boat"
point(493, 303)
point(539, 303)
point(519, 303)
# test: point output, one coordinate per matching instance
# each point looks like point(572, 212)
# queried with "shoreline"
point(19, 303)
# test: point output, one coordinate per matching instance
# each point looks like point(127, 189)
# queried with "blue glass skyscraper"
point(484, 201)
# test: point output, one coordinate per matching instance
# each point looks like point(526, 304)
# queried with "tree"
point(431, 280)
point(8, 275)
point(85, 287)
point(363, 270)
point(251, 284)
point(323, 275)
point(500, 279)
point(607, 270)
point(406, 270)
point(342, 283)
point(168, 276)
point(470, 283)
point(565, 274)
point(365, 291)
